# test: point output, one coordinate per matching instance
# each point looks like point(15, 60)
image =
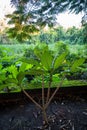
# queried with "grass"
point(71, 83)
point(20, 48)
point(15, 49)
point(74, 83)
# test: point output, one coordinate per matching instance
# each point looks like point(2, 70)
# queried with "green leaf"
point(0, 66)
point(46, 60)
point(20, 77)
point(2, 77)
point(44, 55)
point(30, 61)
point(11, 80)
point(24, 66)
point(59, 60)
point(38, 53)
point(12, 69)
point(76, 64)
point(40, 49)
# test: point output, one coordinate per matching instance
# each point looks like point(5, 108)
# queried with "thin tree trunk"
point(43, 100)
point(45, 119)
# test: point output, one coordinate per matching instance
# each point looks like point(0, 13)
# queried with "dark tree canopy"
point(30, 15)
point(56, 5)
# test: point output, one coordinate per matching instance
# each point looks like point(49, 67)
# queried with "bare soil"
point(63, 114)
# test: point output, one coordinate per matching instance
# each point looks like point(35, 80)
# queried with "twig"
point(38, 105)
point(43, 91)
point(49, 86)
point(47, 104)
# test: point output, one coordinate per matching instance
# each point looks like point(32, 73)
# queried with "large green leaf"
point(45, 57)
point(46, 60)
point(59, 60)
point(40, 49)
point(37, 52)
point(76, 64)
point(30, 61)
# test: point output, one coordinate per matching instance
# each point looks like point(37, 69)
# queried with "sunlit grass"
point(20, 48)
point(17, 48)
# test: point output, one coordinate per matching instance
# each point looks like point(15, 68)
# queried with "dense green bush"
point(10, 55)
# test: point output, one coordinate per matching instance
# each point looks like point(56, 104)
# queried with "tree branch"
point(47, 104)
point(43, 101)
point(38, 105)
point(49, 86)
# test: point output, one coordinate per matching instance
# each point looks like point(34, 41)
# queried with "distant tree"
point(60, 33)
point(72, 35)
point(30, 15)
point(84, 23)
point(84, 33)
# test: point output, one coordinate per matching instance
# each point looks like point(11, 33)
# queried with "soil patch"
point(64, 114)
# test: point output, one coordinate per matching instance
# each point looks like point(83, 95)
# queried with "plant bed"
point(68, 111)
